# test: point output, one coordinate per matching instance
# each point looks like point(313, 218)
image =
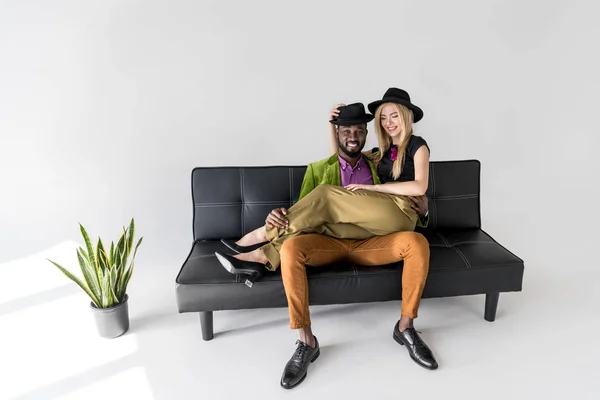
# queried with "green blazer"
point(327, 171)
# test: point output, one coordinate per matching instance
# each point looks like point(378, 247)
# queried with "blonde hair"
point(385, 140)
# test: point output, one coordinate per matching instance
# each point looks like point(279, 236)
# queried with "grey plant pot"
point(114, 321)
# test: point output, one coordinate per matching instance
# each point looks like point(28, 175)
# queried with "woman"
point(363, 211)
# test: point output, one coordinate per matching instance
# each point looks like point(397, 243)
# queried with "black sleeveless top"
point(384, 169)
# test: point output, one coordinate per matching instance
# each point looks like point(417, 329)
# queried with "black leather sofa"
point(231, 201)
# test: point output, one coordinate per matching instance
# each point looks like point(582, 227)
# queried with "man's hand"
point(420, 204)
point(276, 218)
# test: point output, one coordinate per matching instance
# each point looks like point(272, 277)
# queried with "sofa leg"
point(206, 322)
point(491, 305)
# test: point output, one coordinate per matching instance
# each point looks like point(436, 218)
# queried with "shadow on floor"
point(38, 298)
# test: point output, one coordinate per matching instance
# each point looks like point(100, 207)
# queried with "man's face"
point(352, 139)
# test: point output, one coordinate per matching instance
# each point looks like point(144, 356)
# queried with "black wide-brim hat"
point(398, 96)
point(352, 114)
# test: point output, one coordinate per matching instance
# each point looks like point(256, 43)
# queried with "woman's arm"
point(418, 187)
point(333, 140)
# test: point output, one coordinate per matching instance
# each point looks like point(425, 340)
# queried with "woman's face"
point(391, 120)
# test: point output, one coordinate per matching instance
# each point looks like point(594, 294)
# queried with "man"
point(346, 167)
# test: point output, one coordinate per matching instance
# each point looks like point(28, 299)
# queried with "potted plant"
point(105, 279)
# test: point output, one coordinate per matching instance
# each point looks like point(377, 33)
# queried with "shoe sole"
point(229, 266)
point(317, 354)
point(400, 342)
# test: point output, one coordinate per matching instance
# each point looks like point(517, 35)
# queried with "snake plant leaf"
point(120, 249)
point(111, 253)
point(129, 271)
point(89, 246)
point(106, 293)
point(113, 282)
point(131, 237)
point(126, 248)
point(101, 257)
point(90, 276)
point(83, 253)
point(136, 247)
point(101, 280)
point(128, 277)
point(78, 282)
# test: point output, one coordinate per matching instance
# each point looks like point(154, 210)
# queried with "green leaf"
point(101, 256)
point(90, 252)
point(91, 278)
point(106, 292)
point(113, 282)
point(77, 281)
point(130, 238)
point(129, 272)
point(128, 277)
point(88, 244)
point(116, 262)
point(111, 253)
point(83, 253)
point(122, 253)
point(119, 251)
point(126, 248)
point(101, 281)
point(136, 249)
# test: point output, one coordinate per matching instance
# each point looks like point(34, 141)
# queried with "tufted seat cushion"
point(462, 262)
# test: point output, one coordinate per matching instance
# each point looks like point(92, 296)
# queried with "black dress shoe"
point(241, 249)
point(252, 270)
point(418, 350)
point(296, 369)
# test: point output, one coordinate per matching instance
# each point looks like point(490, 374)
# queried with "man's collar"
point(344, 163)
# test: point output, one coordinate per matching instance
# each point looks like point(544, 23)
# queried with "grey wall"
point(106, 106)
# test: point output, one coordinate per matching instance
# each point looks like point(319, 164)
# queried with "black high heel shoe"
point(241, 249)
point(252, 270)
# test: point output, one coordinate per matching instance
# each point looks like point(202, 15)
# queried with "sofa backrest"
point(231, 201)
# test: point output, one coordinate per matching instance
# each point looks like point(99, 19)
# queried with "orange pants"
point(318, 250)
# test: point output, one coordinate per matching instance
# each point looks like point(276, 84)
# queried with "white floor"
point(543, 345)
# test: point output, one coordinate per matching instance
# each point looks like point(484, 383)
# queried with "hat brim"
point(417, 112)
point(350, 122)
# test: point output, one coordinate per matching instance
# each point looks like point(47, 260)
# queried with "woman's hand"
point(335, 112)
point(355, 186)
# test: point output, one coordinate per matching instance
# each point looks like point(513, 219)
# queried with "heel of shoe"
point(317, 354)
point(250, 279)
point(398, 340)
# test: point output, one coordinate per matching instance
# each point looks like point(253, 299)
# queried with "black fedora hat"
point(398, 96)
point(352, 114)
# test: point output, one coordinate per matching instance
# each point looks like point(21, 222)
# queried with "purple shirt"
point(360, 174)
